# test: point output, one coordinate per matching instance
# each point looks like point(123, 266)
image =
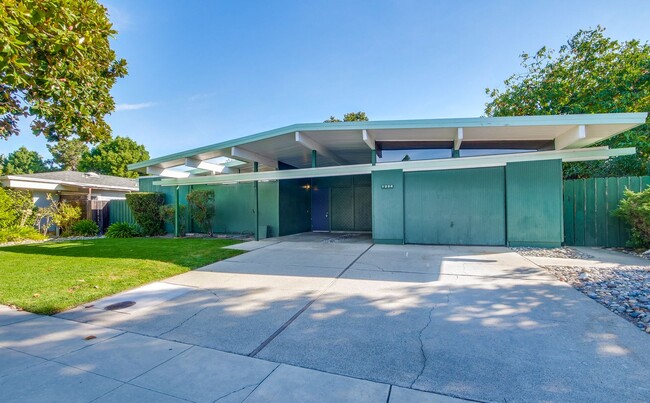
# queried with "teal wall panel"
point(388, 206)
point(235, 208)
point(269, 196)
point(294, 206)
point(363, 207)
point(591, 222)
point(342, 208)
point(235, 205)
point(119, 211)
point(534, 203)
point(455, 207)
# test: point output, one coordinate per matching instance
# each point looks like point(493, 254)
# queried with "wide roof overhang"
point(349, 143)
point(586, 154)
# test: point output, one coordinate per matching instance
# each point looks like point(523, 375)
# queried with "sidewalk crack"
point(424, 355)
point(191, 317)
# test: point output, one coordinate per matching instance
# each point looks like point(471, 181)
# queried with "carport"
point(472, 181)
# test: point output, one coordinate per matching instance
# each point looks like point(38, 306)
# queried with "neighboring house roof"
point(349, 143)
point(67, 180)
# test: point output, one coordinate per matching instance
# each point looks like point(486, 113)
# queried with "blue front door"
point(320, 209)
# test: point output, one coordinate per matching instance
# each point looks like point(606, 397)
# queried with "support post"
point(455, 153)
point(373, 156)
point(177, 202)
point(313, 158)
point(257, 204)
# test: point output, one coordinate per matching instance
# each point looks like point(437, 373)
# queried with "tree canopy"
point(349, 117)
point(112, 157)
point(23, 161)
point(56, 65)
point(592, 73)
point(67, 153)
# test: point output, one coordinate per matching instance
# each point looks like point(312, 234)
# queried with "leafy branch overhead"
point(590, 74)
point(349, 117)
point(57, 65)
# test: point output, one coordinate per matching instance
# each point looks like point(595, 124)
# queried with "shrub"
point(16, 207)
point(146, 210)
point(17, 233)
point(61, 213)
point(122, 230)
point(85, 228)
point(203, 210)
point(168, 213)
point(634, 209)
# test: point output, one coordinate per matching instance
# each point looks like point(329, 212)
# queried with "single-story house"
point(90, 190)
point(467, 181)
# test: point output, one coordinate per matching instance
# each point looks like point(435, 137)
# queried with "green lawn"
point(54, 276)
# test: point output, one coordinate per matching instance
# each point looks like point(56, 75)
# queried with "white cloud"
point(133, 107)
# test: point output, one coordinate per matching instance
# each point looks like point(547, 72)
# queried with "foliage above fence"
point(588, 208)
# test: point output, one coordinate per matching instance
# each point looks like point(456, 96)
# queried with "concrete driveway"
point(479, 323)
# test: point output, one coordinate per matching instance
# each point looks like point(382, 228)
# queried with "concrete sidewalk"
point(48, 359)
point(335, 318)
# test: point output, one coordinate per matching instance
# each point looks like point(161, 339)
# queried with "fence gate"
point(588, 207)
point(100, 214)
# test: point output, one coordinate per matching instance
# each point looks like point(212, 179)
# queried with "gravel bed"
point(562, 253)
point(624, 290)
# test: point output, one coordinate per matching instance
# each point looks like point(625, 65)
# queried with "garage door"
point(459, 207)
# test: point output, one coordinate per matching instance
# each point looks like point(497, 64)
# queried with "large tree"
point(67, 153)
point(349, 117)
point(56, 64)
point(590, 74)
point(112, 157)
point(23, 161)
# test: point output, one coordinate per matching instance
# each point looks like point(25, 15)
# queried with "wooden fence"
point(588, 207)
point(119, 211)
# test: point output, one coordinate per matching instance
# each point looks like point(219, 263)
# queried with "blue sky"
point(201, 72)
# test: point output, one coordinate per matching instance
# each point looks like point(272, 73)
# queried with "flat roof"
point(349, 143)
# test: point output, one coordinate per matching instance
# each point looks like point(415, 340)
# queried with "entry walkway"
point(334, 318)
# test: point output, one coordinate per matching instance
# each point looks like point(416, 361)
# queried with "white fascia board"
point(23, 184)
point(53, 184)
point(167, 173)
point(310, 144)
point(583, 154)
point(459, 139)
point(368, 139)
point(570, 137)
point(250, 156)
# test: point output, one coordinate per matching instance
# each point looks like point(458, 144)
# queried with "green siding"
point(295, 205)
point(269, 195)
point(235, 205)
point(588, 207)
point(363, 208)
point(534, 203)
point(235, 208)
point(119, 211)
point(388, 206)
point(455, 207)
point(342, 208)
